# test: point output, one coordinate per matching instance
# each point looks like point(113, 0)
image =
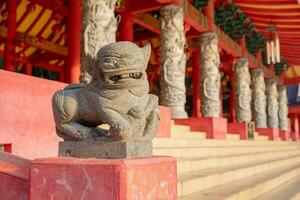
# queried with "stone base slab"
point(239, 128)
point(215, 127)
point(284, 135)
point(272, 133)
point(105, 149)
point(107, 179)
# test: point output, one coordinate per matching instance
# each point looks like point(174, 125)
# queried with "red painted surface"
point(196, 84)
point(72, 70)
point(126, 27)
point(9, 51)
point(14, 175)
point(284, 135)
point(93, 179)
point(209, 12)
point(215, 127)
point(295, 128)
point(26, 120)
point(272, 133)
point(240, 129)
point(164, 129)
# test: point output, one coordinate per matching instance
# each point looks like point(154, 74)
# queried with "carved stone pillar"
point(283, 108)
point(99, 27)
point(173, 60)
point(242, 90)
point(210, 76)
point(259, 98)
point(272, 103)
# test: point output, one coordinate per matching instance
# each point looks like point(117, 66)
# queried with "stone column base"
point(105, 149)
point(94, 179)
point(272, 133)
point(215, 127)
point(284, 135)
point(240, 129)
point(178, 112)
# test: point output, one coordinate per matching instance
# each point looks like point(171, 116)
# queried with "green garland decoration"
point(281, 67)
point(199, 4)
point(44, 73)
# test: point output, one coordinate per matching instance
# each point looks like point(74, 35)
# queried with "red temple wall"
point(26, 118)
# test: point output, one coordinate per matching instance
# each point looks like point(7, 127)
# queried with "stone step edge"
point(271, 165)
point(182, 161)
point(288, 190)
point(245, 186)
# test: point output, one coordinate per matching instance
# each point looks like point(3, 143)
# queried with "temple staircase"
point(232, 169)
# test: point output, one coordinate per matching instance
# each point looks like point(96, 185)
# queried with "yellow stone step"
point(188, 135)
point(188, 152)
point(290, 190)
point(260, 137)
point(232, 136)
point(196, 164)
point(251, 187)
point(204, 179)
point(188, 142)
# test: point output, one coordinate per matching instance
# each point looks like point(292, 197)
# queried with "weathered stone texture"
point(283, 108)
point(116, 96)
point(99, 26)
point(259, 98)
point(242, 91)
point(272, 103)
point(173, 60)
point(210, 76)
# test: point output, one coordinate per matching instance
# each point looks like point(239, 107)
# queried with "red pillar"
point(9, 51)
point(210, 13)
point(72, 70)
point(295, 127)
point(28, 69)
point(242, 42)
point(196, 83)
point(231, 99)
point(126, 27)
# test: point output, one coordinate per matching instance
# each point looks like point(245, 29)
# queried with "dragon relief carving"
point(242, 90)
point(117, 95)
point(173, 60)
point(259, 98)
point(283, 108)
point(99, 26)
point(210, 76)
point(272, 103)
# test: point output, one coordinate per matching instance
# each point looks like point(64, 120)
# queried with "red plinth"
point(295, 136)
point(14, 175)
point(272, 133)
point(284, 135)
point(94, 179)
point(164, 128)
point(240, 129)
point(215, 127)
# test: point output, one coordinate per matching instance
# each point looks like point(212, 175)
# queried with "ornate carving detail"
point(210, 76)
point(173, 60)
point(283, 108)
point(99, 27)
point(259, 98)
point(272, 103)
point(242, 91)
point(117, 95)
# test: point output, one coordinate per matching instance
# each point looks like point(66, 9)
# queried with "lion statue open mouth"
point(117, 96)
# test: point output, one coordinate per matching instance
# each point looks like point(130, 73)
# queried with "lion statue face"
point(121, 65)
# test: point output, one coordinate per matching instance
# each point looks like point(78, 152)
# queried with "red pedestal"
point(272, 133)
point(93, 179)
point(215, 127)
point(14, 175)
point(295, 136)
point(284, 135)
point(164, 128)
point(240, 129)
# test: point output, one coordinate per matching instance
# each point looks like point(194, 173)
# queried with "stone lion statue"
point(117, 96)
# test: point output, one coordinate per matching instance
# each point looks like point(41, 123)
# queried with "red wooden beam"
point(54, 5)
point(141, 6)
